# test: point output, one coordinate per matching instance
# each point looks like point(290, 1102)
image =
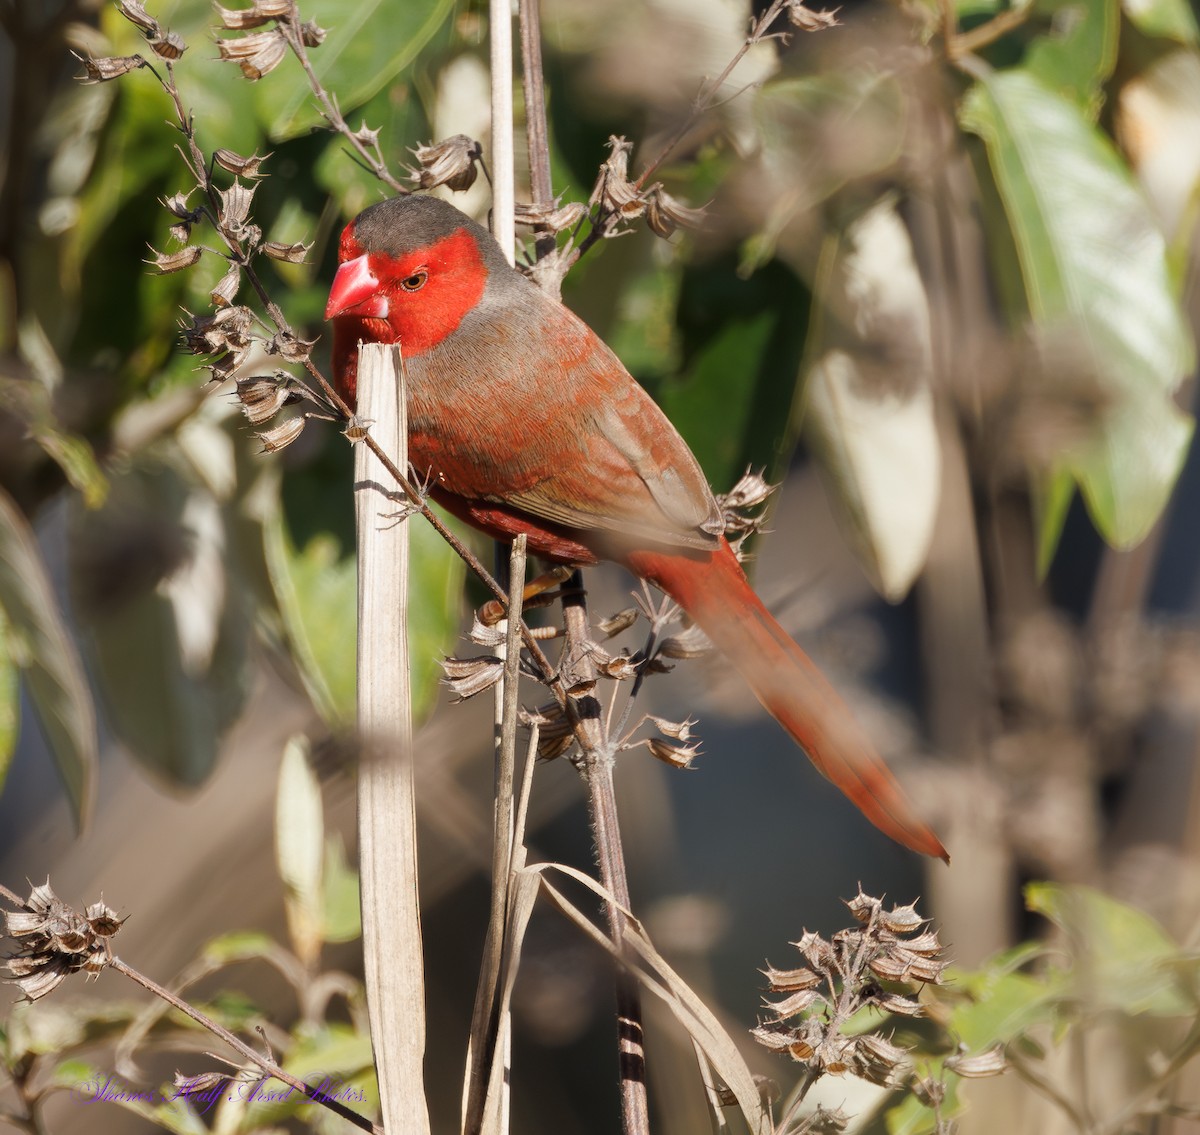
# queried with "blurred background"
point(944, 295)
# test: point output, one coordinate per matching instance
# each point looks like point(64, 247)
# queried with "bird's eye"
point(416, 281)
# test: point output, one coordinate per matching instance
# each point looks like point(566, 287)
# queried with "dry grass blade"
point(660, 979)
point(386, 806)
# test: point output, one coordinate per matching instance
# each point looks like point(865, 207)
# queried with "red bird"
point(586, 464)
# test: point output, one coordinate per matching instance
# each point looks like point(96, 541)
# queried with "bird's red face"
point(416, 299)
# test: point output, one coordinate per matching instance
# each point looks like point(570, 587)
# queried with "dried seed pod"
point(665, 214)
point(470, 676)
point(202, 1082)
point(876, 1059)
point(450, 163)
point(168, 262)
point(235, 206)
point(236, 164)
point(290, 347)
point(224, 293)
point(808, 20)
point(177, 206)
point(282, 435)
point(889, 967)
point(929, 1091)
point(690, 643)
point(989, 1063)
point(776, 1039)
point(895, 1003)
point(619, 622)
point(927, 945)
point(680, 730)
point(241, 19)
point(619, 667)
point(815, 949)
point(674, 753)
point(614, 191)
point(261, 397)
point(864, 907)
point(553, 218)
point(256, 54)
point(786, 980)
point(366, 135)
point(108, 67)
point(137, 15)
point(170, 46)
point(312, 34)
point(483, 634)
point(227, 330)
point(289, 253)
point(823, 1121)
point(798, 1002)
point(751, 490)
point(902, 920)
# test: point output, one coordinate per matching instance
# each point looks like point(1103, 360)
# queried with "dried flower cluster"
point(858, 967)
point(56, 941)
point(743, 508)
point(618, 197)
point(232, 333)
point(261, 52)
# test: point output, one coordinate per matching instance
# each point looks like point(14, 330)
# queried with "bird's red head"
point(410, 270)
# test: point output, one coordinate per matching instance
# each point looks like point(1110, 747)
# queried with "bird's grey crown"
point(402, 224)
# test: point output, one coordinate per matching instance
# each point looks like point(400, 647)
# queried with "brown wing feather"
point(596, 451)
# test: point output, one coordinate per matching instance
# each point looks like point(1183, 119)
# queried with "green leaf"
point(369, 45)
point(742, 341)
point(1079, 52)
point(299, 848)
point(1171, 19)
point(237, 946)
point(49, 661)
point(75, 457)
point(1122, 958)
point(800, 165)
point(343, 912)
point(316, 588)
point(869, 402)
point(169, 622)
point(1096, 281)
point(10, 698)
point(1004, 1006)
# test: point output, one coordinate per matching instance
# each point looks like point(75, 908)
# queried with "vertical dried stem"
point(503, 195)
point(487, 1028)
point(537, 134)
point(596, 765)
point(386, 798)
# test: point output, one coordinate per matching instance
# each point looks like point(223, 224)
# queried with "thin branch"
point(707, 94)
point(289, 25)
point(242, 1048)
point(959, 44)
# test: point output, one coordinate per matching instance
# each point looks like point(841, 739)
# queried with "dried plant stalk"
point(386, 801)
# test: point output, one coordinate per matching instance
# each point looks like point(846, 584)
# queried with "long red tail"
point(715, 592)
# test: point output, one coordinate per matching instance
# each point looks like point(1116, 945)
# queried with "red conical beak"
point(355, 291)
